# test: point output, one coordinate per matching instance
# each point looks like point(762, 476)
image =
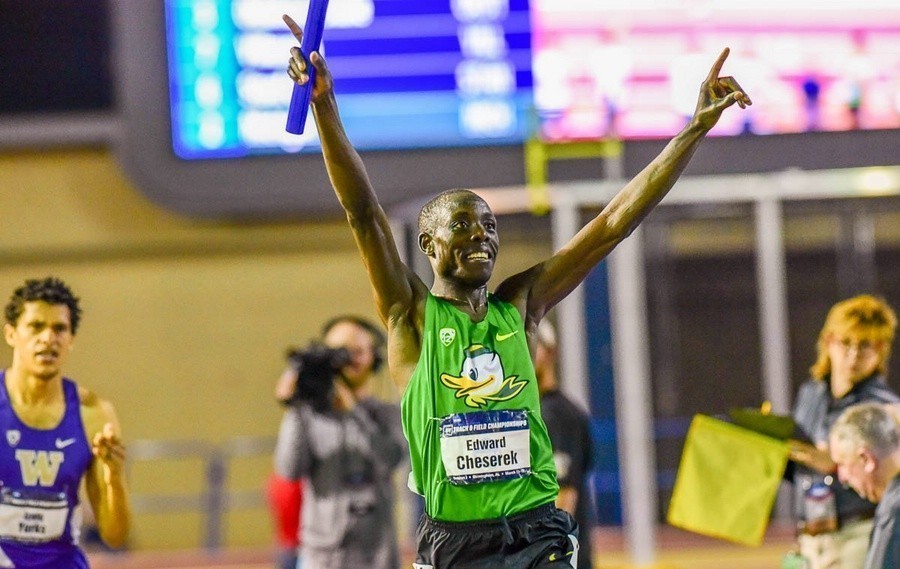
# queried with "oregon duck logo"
point(482, 379)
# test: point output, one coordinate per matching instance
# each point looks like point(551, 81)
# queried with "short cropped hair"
point(867, 425)
point(431, 211)
point(863, 317)
point(50, 290)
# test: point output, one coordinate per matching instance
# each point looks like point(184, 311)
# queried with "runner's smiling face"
point(464, 245)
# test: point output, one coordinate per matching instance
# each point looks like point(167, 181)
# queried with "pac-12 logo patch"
point(13, 437)
point(447, 335)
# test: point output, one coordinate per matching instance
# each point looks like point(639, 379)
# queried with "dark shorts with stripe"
point(538, 538)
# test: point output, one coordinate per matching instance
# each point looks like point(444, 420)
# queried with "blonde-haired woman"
point(833, 522)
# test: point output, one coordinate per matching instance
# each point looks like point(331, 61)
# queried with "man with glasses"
point(834, 523)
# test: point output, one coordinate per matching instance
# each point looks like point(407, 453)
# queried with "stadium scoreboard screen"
point(428, 73)
point(458, 73)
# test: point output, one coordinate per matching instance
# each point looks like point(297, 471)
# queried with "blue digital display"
point(408, 74)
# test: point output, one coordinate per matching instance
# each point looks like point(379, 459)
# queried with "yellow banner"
point(727, 481)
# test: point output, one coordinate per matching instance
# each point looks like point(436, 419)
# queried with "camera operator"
point(344, 444)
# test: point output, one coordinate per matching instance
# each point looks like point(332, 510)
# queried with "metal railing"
point(214, 500)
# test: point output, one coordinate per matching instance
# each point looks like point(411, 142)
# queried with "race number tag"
point(32, 516)
point(486, 446)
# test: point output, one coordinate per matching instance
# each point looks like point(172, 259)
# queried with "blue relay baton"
point(312, 38)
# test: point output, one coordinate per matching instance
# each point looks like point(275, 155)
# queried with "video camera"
point(316, 366)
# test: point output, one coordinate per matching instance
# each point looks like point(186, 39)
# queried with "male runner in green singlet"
point(460, 355)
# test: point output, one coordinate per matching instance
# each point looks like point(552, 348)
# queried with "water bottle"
point(820, 508)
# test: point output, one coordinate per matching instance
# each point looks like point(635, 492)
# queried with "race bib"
point(32, 516)
point(486, 446)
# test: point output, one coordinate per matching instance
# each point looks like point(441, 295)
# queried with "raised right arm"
point(396, 288)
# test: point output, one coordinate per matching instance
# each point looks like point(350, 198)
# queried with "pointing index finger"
point(717, 66)
point(292, 25)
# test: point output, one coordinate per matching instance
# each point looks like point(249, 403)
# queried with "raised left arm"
point(565, 270)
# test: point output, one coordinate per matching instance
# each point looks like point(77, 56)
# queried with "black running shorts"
point(544, 537)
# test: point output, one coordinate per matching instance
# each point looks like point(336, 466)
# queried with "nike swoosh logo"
point(61, 444)
point(554, 556)
point(501, 337)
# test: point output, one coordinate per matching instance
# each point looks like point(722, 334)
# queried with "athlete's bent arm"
point(105, 478)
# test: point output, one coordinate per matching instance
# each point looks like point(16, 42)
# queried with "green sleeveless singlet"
point(471, 413)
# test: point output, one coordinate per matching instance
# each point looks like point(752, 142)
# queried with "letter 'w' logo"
point(39, 466)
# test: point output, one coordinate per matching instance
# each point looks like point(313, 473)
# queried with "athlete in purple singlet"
point(54, 433)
